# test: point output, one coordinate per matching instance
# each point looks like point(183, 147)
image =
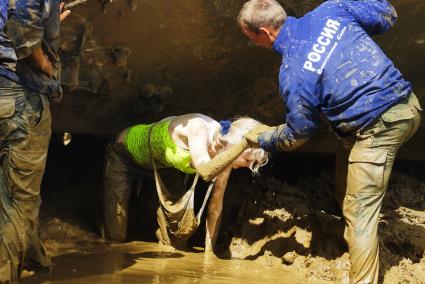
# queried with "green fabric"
point(165, 152)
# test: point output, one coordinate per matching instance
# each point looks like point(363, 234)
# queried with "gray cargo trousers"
point(363, 167)
point(25, 130)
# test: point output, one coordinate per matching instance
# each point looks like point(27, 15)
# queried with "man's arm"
point(302, 121)
point(41, 61)
point(215, 210)
point(25, 29)
point(375, 16)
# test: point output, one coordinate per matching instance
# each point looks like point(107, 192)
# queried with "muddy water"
point(141, 262)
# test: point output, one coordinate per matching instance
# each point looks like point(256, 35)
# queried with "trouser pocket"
point(26, 172)
point(403, 118)
point(7, 107)
point(366, 171)
point(7, 110)
point(34, 109)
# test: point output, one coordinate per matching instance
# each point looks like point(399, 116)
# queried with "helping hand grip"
point(213, 168)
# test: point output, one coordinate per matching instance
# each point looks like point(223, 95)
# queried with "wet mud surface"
point(140, 262)
point(283, 226)
point(298, 227)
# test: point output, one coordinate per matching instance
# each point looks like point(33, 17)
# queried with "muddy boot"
point(10, 262)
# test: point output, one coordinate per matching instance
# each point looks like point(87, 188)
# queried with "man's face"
point(262, 38)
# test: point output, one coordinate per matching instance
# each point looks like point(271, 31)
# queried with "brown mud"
point(293, 226)
point(282, 226)
point(140, 262)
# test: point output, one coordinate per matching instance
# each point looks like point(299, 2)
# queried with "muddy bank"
point(298, 226)
point(284, 220)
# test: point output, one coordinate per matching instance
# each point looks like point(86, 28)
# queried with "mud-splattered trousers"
point(121, 176)
point(363, 166)
point(25, 129)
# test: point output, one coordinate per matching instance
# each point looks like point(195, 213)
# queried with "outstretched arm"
point(215, 209)
point(302, 121)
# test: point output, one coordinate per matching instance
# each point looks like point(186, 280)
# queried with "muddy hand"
point(41, 61)
point(46, 66)
point(252, 136)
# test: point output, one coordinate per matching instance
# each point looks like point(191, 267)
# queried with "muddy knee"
point(115, 222)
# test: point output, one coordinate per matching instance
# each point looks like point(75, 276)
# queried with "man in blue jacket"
point(332, 68)
point(29, 77)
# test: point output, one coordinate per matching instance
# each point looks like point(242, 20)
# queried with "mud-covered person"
point(184, 143)
point(29, 76)
point(331, 67)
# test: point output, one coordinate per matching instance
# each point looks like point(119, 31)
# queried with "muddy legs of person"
point(25, 130)
point(119, 180)
point(370, 161)
point(215, 210)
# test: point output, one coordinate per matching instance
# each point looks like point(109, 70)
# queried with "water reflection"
point(150, 263)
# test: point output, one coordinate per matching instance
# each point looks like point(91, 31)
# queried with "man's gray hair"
point(260, 13)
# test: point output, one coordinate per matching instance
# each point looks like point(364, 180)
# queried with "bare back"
point(194, 132)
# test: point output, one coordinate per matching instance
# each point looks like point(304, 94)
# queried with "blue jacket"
point(7, 53)
point(331, 67)
point(31, 24)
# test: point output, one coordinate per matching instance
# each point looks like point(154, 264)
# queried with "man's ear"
point(270, 32)
point(265, 31)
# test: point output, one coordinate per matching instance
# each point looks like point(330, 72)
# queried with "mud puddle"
point(142, 262)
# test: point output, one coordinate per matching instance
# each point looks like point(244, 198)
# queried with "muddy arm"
point(220, 162)
point(215, 209)
point(213, 168)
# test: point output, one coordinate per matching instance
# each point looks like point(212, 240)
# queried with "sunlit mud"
point(141, 262)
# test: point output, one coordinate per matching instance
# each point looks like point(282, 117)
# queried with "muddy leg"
point(215, 210)
point(341, 169)
point(370, 164)
point(118, 183)
point(24, 137)
point(362, 204)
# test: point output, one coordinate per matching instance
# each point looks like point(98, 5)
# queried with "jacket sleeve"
point(375, 16)
point(25, 26)
point(302, 121)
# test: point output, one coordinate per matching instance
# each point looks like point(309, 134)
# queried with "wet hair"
point(260, 13)
point(239, 127)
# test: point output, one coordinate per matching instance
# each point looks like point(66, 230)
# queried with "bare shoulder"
point(184, 127)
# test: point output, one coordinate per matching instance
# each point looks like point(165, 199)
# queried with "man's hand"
point(63, 14)
point(46, 66)
point(41, 61)
point(252, 136)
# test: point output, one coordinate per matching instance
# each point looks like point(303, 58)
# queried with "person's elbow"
point(392, 16)
point(26, 38)
point(387, 20)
